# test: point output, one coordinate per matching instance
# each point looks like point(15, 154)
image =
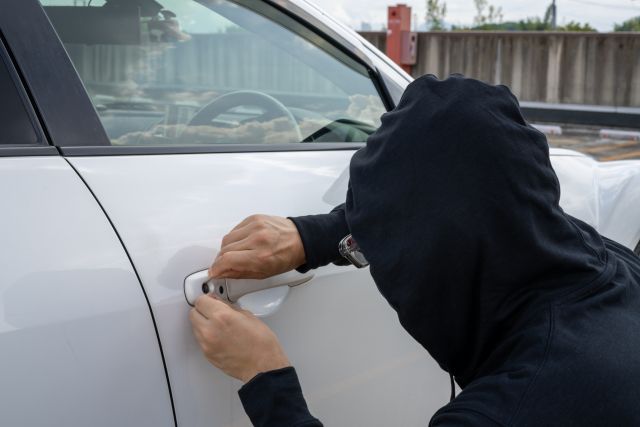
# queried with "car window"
point(15, 122)
point(213, 72)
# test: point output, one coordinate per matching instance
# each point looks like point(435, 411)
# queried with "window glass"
point(16, 126)
point(212, 72)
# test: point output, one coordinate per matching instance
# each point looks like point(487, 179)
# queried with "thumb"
point(208, 305)
point(223, 301)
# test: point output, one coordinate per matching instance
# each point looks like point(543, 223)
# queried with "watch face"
point(351, 251)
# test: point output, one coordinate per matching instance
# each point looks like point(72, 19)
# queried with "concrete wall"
point(569, 68)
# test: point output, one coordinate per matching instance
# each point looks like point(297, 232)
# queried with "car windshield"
point(213, 71)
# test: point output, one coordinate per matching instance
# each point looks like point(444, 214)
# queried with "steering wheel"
point(271, 106)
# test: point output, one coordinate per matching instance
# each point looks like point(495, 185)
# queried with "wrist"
point(296, 246)
point(250, 375)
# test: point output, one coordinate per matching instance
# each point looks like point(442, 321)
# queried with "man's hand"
point(261, 246)
point(234, 340)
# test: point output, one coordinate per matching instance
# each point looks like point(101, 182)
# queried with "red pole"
point(398, 22)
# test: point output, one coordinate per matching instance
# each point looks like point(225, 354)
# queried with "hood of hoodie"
point(455, 204)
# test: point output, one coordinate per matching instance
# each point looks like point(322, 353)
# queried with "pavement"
point(603, 144)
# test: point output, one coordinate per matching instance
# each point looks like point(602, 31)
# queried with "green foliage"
point(486, 14)
point(578, 27)
point(436, 14)
point(529, 24)
point(632, 24)
point(489, 18)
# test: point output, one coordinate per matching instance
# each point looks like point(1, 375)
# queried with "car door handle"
point(232, 290)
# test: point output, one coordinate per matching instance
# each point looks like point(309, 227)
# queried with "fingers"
point(199, 324)
point(239, 239)
point(241, 245)
point(231, 264)
point(257, 240)
point(196, 318)
point(239, 233)
point(250, 250)
point(248, 220)
point(208, 306)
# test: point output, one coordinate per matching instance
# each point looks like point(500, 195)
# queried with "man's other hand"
point(259, 247)
point(234, 340)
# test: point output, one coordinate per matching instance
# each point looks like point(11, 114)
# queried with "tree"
point(578, 27)
point(529, 24)
point(632, 24)
point(436, 13)
point(486, 13)
point(489, 18)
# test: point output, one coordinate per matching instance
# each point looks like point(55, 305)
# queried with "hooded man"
point(455, 204)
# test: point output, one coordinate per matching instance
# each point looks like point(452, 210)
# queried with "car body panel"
point(606, 195)
point(172, 223)
point(77, 341)
point(618, 195)
point(172, 212)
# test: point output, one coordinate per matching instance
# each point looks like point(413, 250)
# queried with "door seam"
point(144, 292)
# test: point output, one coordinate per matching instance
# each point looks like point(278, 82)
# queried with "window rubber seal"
point(130, 150)
point(28, 151)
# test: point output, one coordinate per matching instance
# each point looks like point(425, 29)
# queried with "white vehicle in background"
point(133, 135)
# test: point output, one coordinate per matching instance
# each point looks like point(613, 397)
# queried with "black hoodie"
point(455, 204)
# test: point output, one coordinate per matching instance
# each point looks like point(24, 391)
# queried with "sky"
point(601, 14)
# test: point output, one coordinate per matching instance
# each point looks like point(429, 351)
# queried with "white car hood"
point(605, 195)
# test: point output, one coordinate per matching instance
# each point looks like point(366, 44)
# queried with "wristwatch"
point(350, 250)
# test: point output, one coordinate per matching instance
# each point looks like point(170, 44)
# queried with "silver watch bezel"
point(350, 251)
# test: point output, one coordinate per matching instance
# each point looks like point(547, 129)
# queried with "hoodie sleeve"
point(462, 418)
point(320, 236)
point(274, 398)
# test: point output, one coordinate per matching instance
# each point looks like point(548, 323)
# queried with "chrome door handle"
point(232, 290)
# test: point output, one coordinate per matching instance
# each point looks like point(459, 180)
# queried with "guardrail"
point(590, 115)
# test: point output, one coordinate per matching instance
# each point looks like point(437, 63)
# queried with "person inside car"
point(455, 204)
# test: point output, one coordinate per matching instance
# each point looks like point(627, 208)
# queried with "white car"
point(134, 134)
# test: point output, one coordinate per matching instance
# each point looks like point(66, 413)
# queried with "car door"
point(211, 111)
point(77, 342)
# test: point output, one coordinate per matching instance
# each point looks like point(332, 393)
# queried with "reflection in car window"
point(212, 72)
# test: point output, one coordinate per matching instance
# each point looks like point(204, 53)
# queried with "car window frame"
point(42, 146)
point(89, 138)
point(56, 91)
